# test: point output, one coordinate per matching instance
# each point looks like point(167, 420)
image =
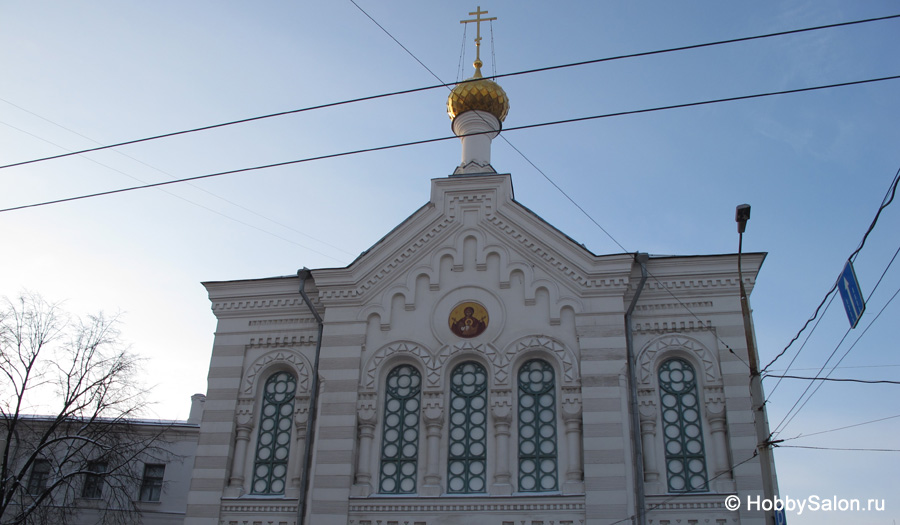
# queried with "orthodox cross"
point(478, 20)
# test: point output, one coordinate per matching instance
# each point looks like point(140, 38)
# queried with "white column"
point(434, 421)
point(362, 484)
point(571, 413)
point(296, 459)
point(244, 426)
point(501, 414)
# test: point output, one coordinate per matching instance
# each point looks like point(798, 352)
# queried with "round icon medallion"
point(468, 319)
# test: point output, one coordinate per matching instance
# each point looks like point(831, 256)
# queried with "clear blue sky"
point(814, 166)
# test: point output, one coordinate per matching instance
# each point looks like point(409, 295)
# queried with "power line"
point(877, 284)
point(440, 139)
point(785, 421)
point(427, 88)
point(841, 428)
point(888, 198)
point(185, 199)
point(868, 381)
point(846, 449)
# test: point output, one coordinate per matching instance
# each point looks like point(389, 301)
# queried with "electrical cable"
point(185, 199)
point(440, 139)
point(846, 449)
point(841, 428)
point(785, 421)
point(888, 198)
point(426, 88)
point(868, 381)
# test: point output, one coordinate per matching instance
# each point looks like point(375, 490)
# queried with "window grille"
point(274, 440)
point(467, 460)
point(537, 427)
point(400, 436)
point(682, 430)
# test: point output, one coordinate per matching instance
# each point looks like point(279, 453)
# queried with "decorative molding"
point(673, 344)
point(387, 269)
point(281, 322)
point(258, 507)
point(537, 248)
point(569, 370)
point(287, 357)
point(487, 351)
point(281, 341)
point(667, 327)
point(673, 306)
point(700, 283)
point(468, 506)
point(257, 304)
point(388, 351)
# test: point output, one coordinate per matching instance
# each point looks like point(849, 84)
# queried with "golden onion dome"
point(478, 93)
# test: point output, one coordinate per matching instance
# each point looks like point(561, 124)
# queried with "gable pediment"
point(476, 218)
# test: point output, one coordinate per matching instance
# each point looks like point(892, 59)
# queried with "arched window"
point(467, 460)
point(273, 442)
point(400, 436)
point(537, 427)
point(682, 430)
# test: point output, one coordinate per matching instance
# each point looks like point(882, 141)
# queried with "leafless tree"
point(82, 451)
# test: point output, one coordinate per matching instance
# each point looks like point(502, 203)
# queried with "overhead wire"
point(440, 139)
point(426, 88)
point(841, 428)
point(175, 195)
point(885, 202)
point(185, 199)
point(785, 421)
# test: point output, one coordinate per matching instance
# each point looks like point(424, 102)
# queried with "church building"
point(477, 365)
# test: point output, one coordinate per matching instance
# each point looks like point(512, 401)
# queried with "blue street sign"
point(850, 293)
point(780, 518)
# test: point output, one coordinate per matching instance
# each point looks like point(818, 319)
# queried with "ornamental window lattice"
point(274, 440)
point(537, 427)
point(682, 430)
point(467, 458)
point(400, 435)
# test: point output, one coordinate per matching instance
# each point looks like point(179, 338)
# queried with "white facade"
point(546, 303)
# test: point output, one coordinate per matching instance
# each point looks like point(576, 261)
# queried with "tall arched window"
point(467, 460)
point(400, 436)
point(537, 427)
point(682, 430)
point(273, 442)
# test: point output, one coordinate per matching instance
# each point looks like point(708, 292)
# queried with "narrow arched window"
point(682, 430)
point(400, 435)
point(467, 460)
point(274, 439)
point(537, 427)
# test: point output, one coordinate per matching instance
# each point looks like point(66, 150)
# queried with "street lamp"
point(757, 399)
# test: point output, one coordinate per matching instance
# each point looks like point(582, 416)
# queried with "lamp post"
point(757, 399)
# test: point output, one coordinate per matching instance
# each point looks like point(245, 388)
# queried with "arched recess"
point(709, 386)
point(247, 419)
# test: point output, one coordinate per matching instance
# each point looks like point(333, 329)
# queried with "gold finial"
point(478, 20)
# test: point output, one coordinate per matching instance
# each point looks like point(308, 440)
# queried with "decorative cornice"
point(673, 327)
point(372, 281)
point(258, 507)
point(579, 278)
point(466, 505)
point(673, 306)
point(282, 322)
point(281, 341)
